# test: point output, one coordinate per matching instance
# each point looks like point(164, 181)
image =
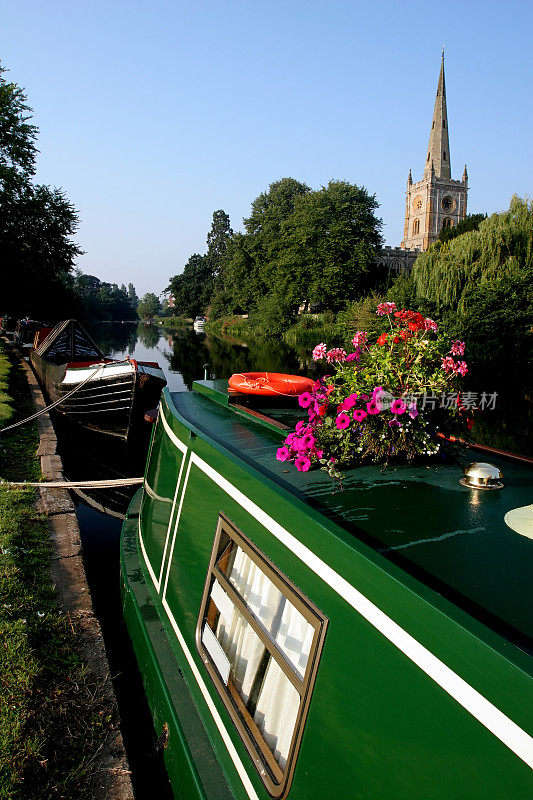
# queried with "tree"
point(17, 135)
point(132, 294)
point(470, 223)
point(329, 246)
point(148, 306)
point(36, 222)
point(217, 241)
point(193, 288)
point(503, 245)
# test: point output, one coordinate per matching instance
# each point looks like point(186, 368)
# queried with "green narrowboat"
point(295, 641)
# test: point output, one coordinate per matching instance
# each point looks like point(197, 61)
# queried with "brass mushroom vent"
point(480, 475)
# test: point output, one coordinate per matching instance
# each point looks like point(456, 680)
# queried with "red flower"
point(383, 338)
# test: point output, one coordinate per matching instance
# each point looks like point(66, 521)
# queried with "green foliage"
point(97, 300)
point(312, 328)
point(192, 289)
point(503, 245)
point(17, 135)
point(149, 306)
point(470, 223)
point(497, 327)
point(360, 316)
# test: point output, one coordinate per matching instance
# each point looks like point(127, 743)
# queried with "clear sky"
point(152, 115)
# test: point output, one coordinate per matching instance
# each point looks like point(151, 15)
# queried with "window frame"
point(276, 781)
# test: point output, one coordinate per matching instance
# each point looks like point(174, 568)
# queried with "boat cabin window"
point(260, 639)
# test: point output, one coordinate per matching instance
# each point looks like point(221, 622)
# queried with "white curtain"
point(278, 700)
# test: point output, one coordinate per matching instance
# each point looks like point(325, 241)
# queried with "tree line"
point(300, 247)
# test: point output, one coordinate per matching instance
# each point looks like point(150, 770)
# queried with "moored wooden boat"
point(295, 642)
point(112, 395)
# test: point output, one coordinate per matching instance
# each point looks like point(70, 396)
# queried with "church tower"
point(436, 201)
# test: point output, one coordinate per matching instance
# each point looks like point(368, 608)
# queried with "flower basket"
point(394, 399)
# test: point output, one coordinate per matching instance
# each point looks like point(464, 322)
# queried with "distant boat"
point(24, 333)
point(112, 396)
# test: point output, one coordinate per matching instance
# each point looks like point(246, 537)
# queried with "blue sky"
point(154, 115)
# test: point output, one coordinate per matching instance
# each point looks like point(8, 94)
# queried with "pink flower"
point(299, 427)
point(308, 441)
point(461, 368)
point(457, 348)
point(372, 408)
point(352, 357)
point(448, 364)
point(305, 400)
point(431, 325)
point(282, 454)
point(348, 403)
point(302, 463)
point(319, 352)
point(342, 421)
point(398, 407)
point(412, 410)
point(385, 309)
point(393, 423)
point(319, 453)
point(359, 340)
point(359, 415)
point(336, 354)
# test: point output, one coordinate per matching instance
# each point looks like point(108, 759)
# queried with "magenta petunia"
point(342, 421)
point(372, 408)
point(299, 427)
point(352, 357)
point(305, 400)
point(302, 463)
point(308, 441)
point(282, 454)
point(393, 423)
point(412, 410)
point(398, 407)
point(350, 401)
point(359, 415)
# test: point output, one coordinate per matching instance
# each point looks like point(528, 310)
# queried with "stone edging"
point(74, 598)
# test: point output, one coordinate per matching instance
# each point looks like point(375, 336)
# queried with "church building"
point(437, 201)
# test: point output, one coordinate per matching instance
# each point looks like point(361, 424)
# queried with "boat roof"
point(81, 342)
point(453, 538)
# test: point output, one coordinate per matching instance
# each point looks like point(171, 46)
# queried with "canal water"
point(186, 356)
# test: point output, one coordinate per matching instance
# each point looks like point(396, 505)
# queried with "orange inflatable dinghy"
point(269, 383)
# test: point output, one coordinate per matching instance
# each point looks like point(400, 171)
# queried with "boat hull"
point(112, 399)
point(414, 698)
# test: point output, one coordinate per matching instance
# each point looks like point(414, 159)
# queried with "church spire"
point(439, 147)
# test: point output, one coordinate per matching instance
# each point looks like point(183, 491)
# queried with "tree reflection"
point(148, 335)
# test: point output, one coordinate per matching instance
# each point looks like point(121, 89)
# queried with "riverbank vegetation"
point(53, 716)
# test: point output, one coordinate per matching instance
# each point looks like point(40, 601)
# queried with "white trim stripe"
point(183, 447)
point(507, 731)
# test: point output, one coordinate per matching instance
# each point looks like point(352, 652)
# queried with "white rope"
point(57, 402)
point(105, 484)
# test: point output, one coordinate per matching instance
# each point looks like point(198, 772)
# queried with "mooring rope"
point(53, 405)
point(104, 484)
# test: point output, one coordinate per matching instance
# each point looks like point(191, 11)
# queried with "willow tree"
point(448, 273)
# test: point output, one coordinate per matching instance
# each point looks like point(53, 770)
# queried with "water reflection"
point(183, 353)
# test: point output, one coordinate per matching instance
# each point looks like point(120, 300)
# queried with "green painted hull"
point(416, 697)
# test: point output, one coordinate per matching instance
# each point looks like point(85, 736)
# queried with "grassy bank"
point(53, 719)
point(172, 322)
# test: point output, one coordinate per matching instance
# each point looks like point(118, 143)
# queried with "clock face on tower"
point(447, 203)
point(417, 203)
